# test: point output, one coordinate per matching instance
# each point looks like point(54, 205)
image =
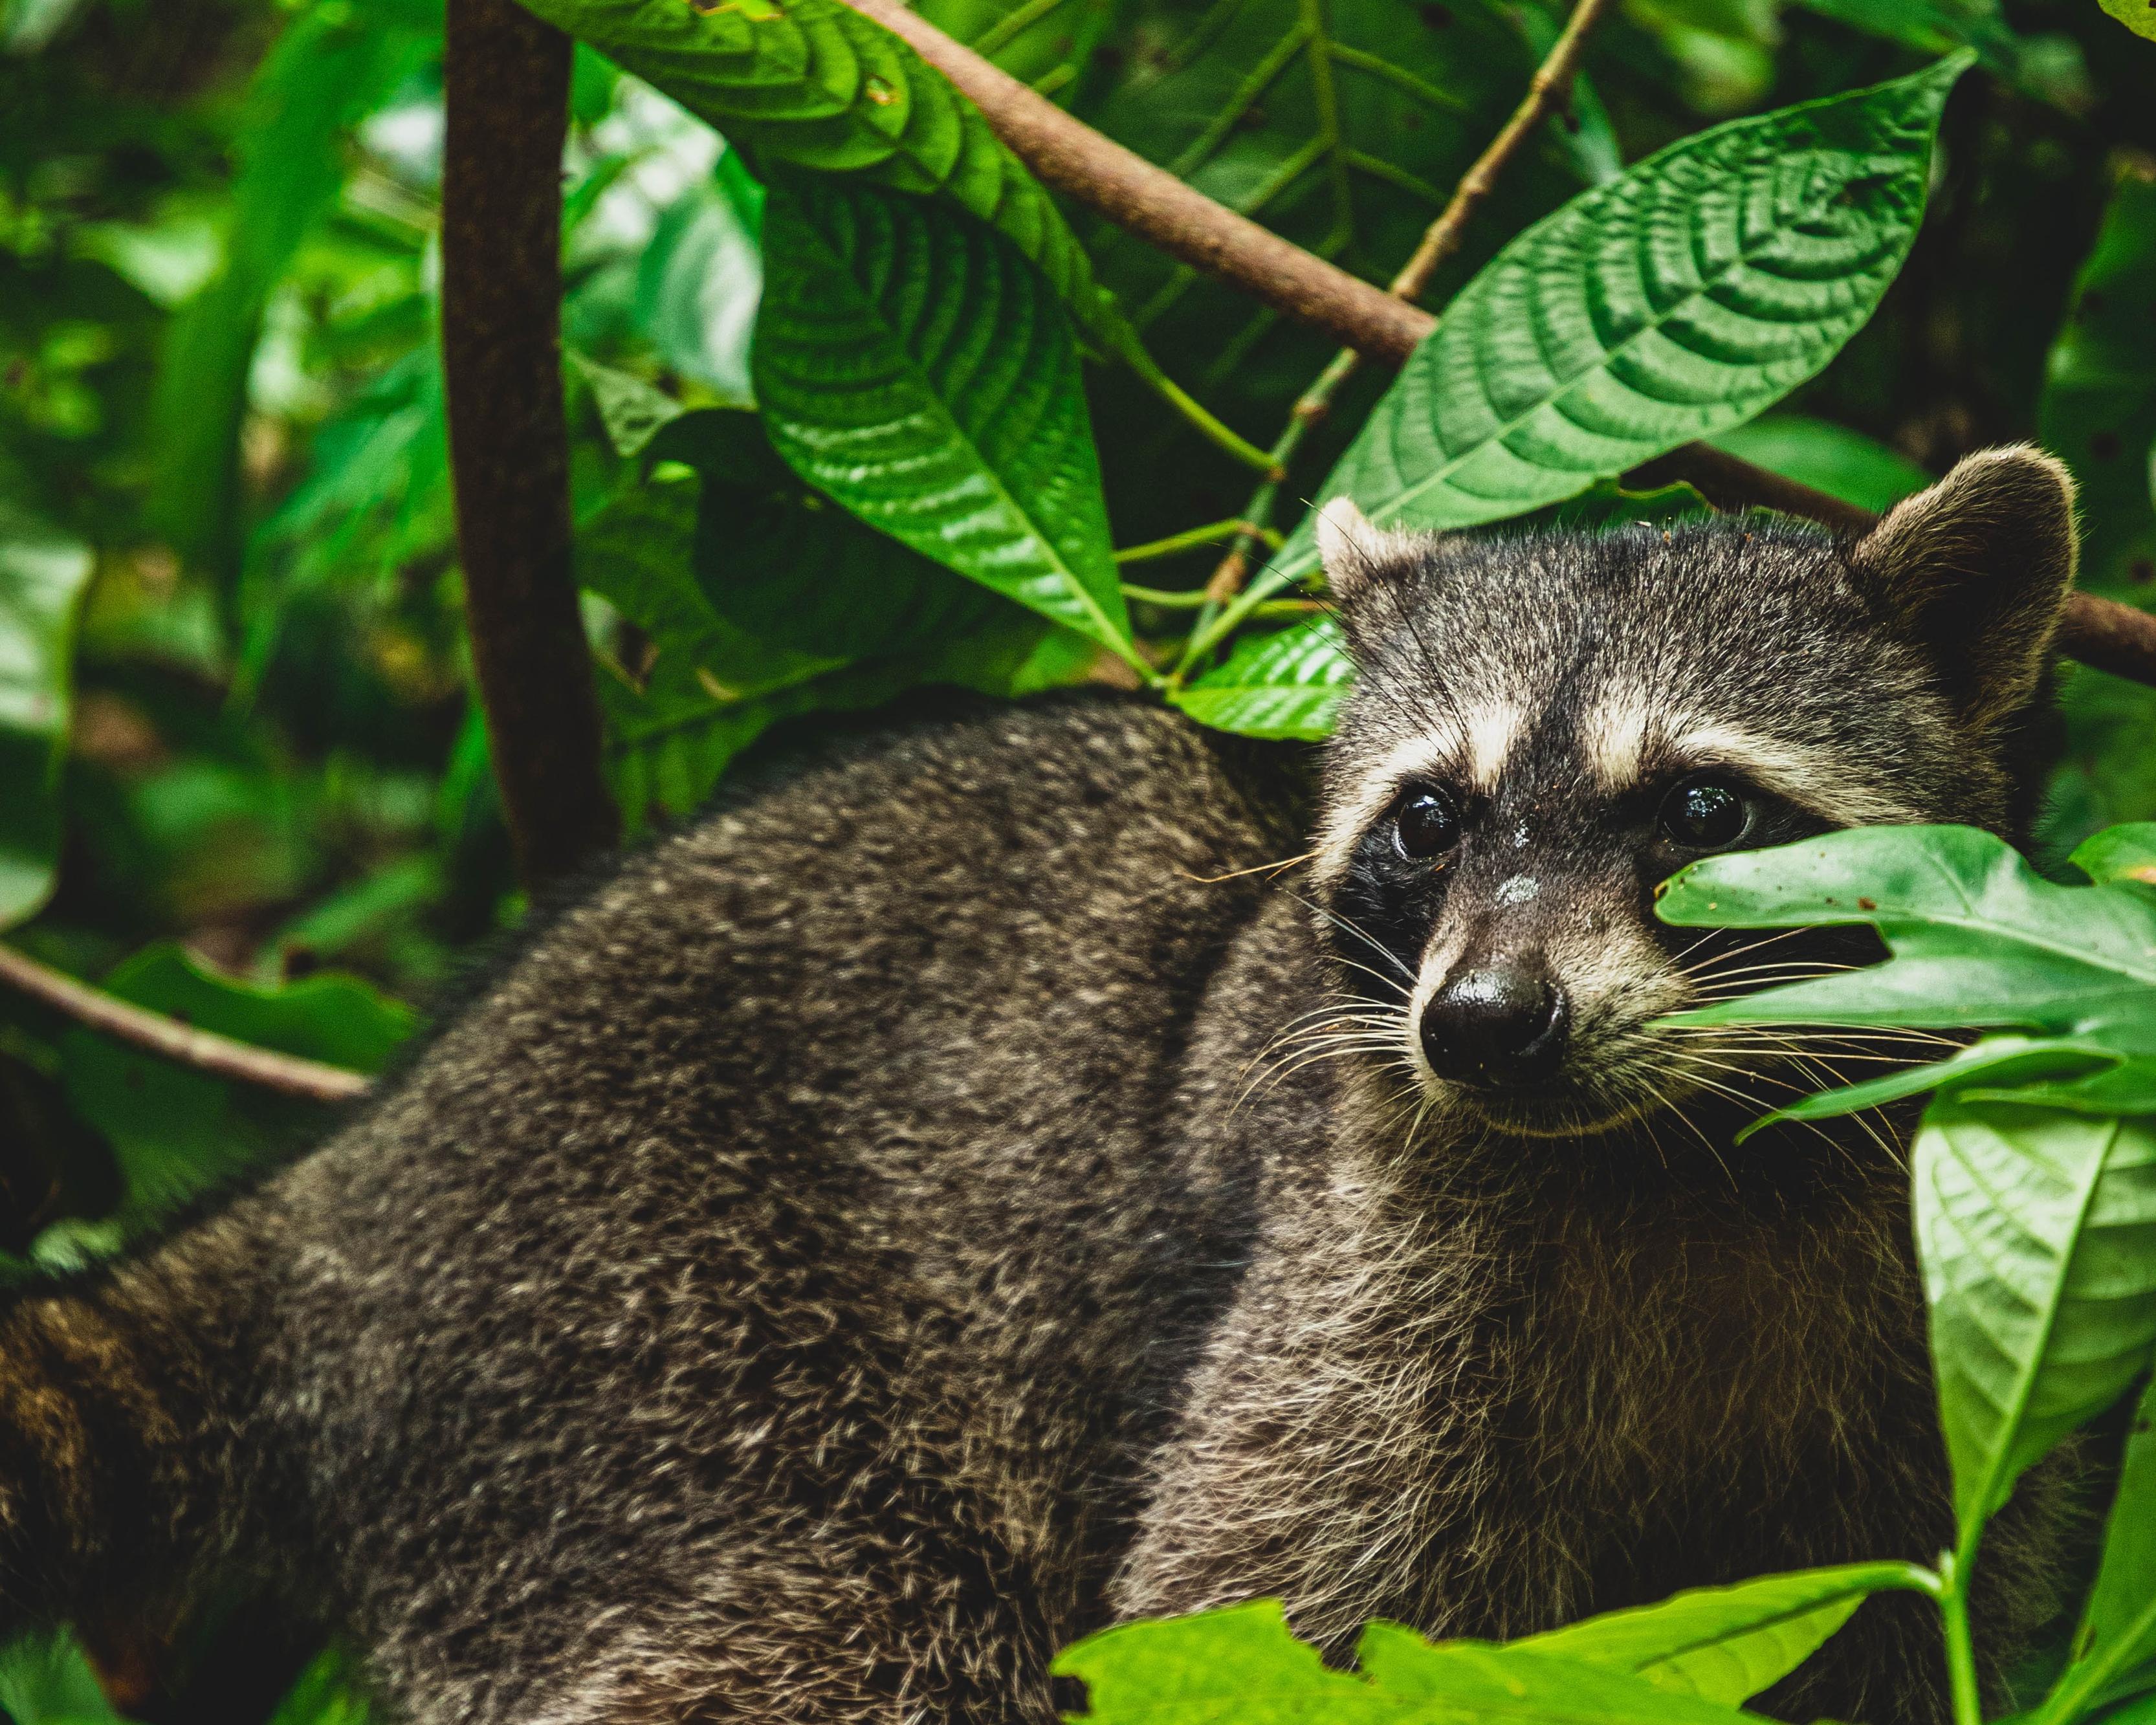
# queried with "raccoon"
point(1027, 1168)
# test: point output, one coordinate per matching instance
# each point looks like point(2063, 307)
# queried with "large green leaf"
point(1725, 1644)
point(2037, 1230)
point(914, 367)
point(813, 84)
point(176, 1131)
point(1240, 1667)
point(1671, 304)
point(42, 576)
point(1286, 685)
point(2098, 408)
point(1978, 939)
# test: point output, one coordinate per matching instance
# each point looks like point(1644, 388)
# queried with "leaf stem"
point(1952, 1598)
point(1176, 396)
point(1212, 533)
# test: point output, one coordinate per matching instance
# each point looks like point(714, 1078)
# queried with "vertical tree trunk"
point(506, 83)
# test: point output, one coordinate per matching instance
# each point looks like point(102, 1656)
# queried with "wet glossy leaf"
point(2037, 1230)
point(41, 577)
point(816, 85)
point(1725, 1643)
point(913, 367)
point(1671, 304)
point(1287, 684)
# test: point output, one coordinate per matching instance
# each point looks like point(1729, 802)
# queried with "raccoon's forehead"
point(1574, 665)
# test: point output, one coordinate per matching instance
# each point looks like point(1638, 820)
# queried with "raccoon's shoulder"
point(949, 827)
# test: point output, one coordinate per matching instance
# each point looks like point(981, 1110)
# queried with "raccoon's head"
point(1547, 725)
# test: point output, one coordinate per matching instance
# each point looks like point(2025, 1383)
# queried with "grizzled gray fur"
point(959, 1194)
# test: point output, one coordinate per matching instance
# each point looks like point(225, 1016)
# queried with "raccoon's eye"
point(1427, 822)
point(1706, 812)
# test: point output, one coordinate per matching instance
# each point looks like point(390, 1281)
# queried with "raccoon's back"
point(835, 1130)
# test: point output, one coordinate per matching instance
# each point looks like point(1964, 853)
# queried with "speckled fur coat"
point(872, 1239)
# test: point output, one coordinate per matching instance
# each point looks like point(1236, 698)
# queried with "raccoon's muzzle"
point(1496, 1023)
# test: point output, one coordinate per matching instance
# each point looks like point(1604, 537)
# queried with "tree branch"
point(505, 80)
point(1148, 200)
point(204, 1050)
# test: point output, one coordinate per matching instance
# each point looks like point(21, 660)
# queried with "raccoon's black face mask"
point(1546, 726)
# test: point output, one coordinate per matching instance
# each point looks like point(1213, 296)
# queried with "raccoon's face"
point(1547, 726)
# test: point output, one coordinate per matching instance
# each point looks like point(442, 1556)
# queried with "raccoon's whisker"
point(1349, 925)
point(1274, 868)
point(1749, 947)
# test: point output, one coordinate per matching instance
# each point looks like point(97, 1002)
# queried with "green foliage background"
point(242, 777)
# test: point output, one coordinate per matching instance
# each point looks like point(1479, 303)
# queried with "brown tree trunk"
point(506, 83)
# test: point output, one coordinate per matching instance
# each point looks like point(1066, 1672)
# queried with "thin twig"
point(204, 1050)
point(1549, 90)
point(1183, 221)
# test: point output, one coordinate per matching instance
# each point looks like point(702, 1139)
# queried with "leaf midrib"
point(940, 410)
point(2016, 1410)
point(1442, 474)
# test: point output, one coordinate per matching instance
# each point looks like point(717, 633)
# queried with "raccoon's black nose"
point(1498, 1023)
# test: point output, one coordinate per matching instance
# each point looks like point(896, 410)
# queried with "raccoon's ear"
point(1357, 555)
point(1977, 569)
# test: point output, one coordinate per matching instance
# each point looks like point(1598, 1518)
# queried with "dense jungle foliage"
point(855, 406)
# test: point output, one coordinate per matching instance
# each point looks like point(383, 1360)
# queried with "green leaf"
point(1241, 1666)
point(1833, 459)
point(786, 564)
point(2098, 407)
point(332, 65)
point(2037, 1232)
point(632, 411)
point(913, 366)
point(2117, 1631)
point(41, 577)
point(2120, 853)
point(178, 1131)
point(46, 1680)
point(815, 85)
point(2134, 14)
point(1288, 684)
point(331, 1691)
point(1673, 303)
point(1977, 939)
point(1725, 1644)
